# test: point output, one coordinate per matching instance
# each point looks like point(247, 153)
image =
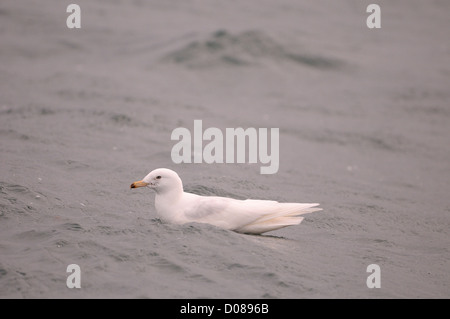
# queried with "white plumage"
point(244, 216)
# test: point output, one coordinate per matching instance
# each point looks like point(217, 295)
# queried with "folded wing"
point(248, 216)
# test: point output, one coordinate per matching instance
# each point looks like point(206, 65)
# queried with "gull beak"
point(138, 184)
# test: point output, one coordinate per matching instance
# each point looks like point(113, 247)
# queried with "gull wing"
point(246, 216)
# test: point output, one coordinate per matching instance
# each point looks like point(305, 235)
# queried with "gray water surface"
point(364, 130)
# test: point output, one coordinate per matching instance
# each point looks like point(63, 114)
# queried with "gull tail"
point(278, 216)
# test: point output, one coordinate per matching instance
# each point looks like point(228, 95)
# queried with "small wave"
point(72, 226)
point(121, 119)
point(16, 199)
point(167, 265)
point(246, 48)
point(36, 235)
point(3, 272)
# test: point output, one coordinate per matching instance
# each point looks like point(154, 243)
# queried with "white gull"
point(244, 216)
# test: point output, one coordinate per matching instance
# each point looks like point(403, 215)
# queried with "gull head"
point(162, 180)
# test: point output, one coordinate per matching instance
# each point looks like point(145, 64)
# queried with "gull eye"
point(158, 177)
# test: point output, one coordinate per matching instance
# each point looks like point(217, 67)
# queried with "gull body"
point(251, 216)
